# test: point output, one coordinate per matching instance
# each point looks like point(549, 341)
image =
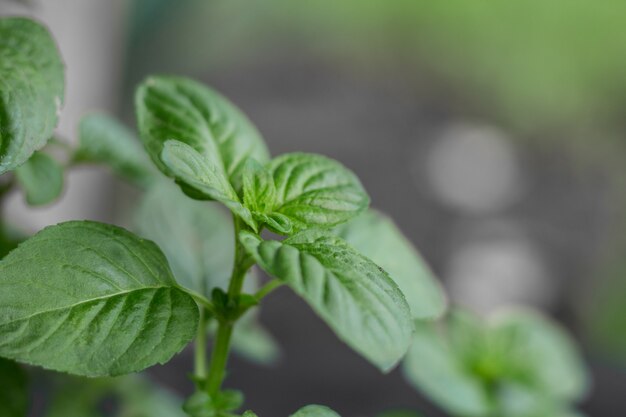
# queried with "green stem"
point(267, 288)
point(200, 353)
point(219, 356)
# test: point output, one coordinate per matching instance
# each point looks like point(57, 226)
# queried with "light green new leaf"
point(315, 411)
point(353, 295)
point(203, 176)
point(533, 341)
point(315, 191)
point(105, 140)
point(91, 299)
point(259, 192)
point(197, 239)
point(31, 89)
point(13, 390)
point(434, 369)
point(176, 108)
point(376, 236)
point(249, 413)
point(41, 178)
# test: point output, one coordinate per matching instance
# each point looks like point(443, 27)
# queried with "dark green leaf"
point(315, 191)
point(91, 299)
point(41, 178)
point(434, 369)
point(189, 112)
point(377, 237)
point(202, 175)
point(31, 90)
point(315, 411)
point(351, 293)
point(105, 140)
point(13, 390)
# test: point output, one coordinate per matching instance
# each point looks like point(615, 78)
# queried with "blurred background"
point(494, 133)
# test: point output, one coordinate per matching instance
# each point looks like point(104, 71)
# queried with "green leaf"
point(376, 236)
point(249, 413)
point(195, 236)
point(533, 341)
point(315, 191)
point(139, 397)
point(434, 369)
point(41, 178)
point(259, 192)
point(315, 411)
point(31, 91)
point(353, 295)
point(197, 239)
point(187, 111)
point(204, 177)
point(13, 390)
point(91, 299)
point(105, 140)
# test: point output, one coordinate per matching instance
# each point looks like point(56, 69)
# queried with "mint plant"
point(96, 300)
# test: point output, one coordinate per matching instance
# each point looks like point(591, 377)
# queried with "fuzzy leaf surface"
point(41, 178)
point(91, 299)
point(105, 140)
point(181, 109)
point(315, 191)
point(376, 236)
point(353, 295)
point(31, 89)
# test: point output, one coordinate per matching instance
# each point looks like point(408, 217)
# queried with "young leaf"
point(13, 390)
point(197, 239)
point(91, 299)
point(31, 91)
point(353, 295)
point(41, 178)
point(376, 236)
point(249, 413)
point(315, 191)
point(434, 369)
point(203, 176)
point(105, 140)
point(400, 413)
point(259, 192)
point(315, 411)
point(189, 112)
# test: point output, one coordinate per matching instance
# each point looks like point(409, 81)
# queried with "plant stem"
point(267, 288)
point(219, 356)
point(200, 352)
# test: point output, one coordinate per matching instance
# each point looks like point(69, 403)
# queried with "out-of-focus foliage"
point(516, 364)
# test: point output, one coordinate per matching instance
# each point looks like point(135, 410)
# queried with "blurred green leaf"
point(13, 390)
point(197, 237)
point(376, 236)
point(103, 139)
point(315, 411)
point(31, 92)
point(435, 369)
point(41, 178)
